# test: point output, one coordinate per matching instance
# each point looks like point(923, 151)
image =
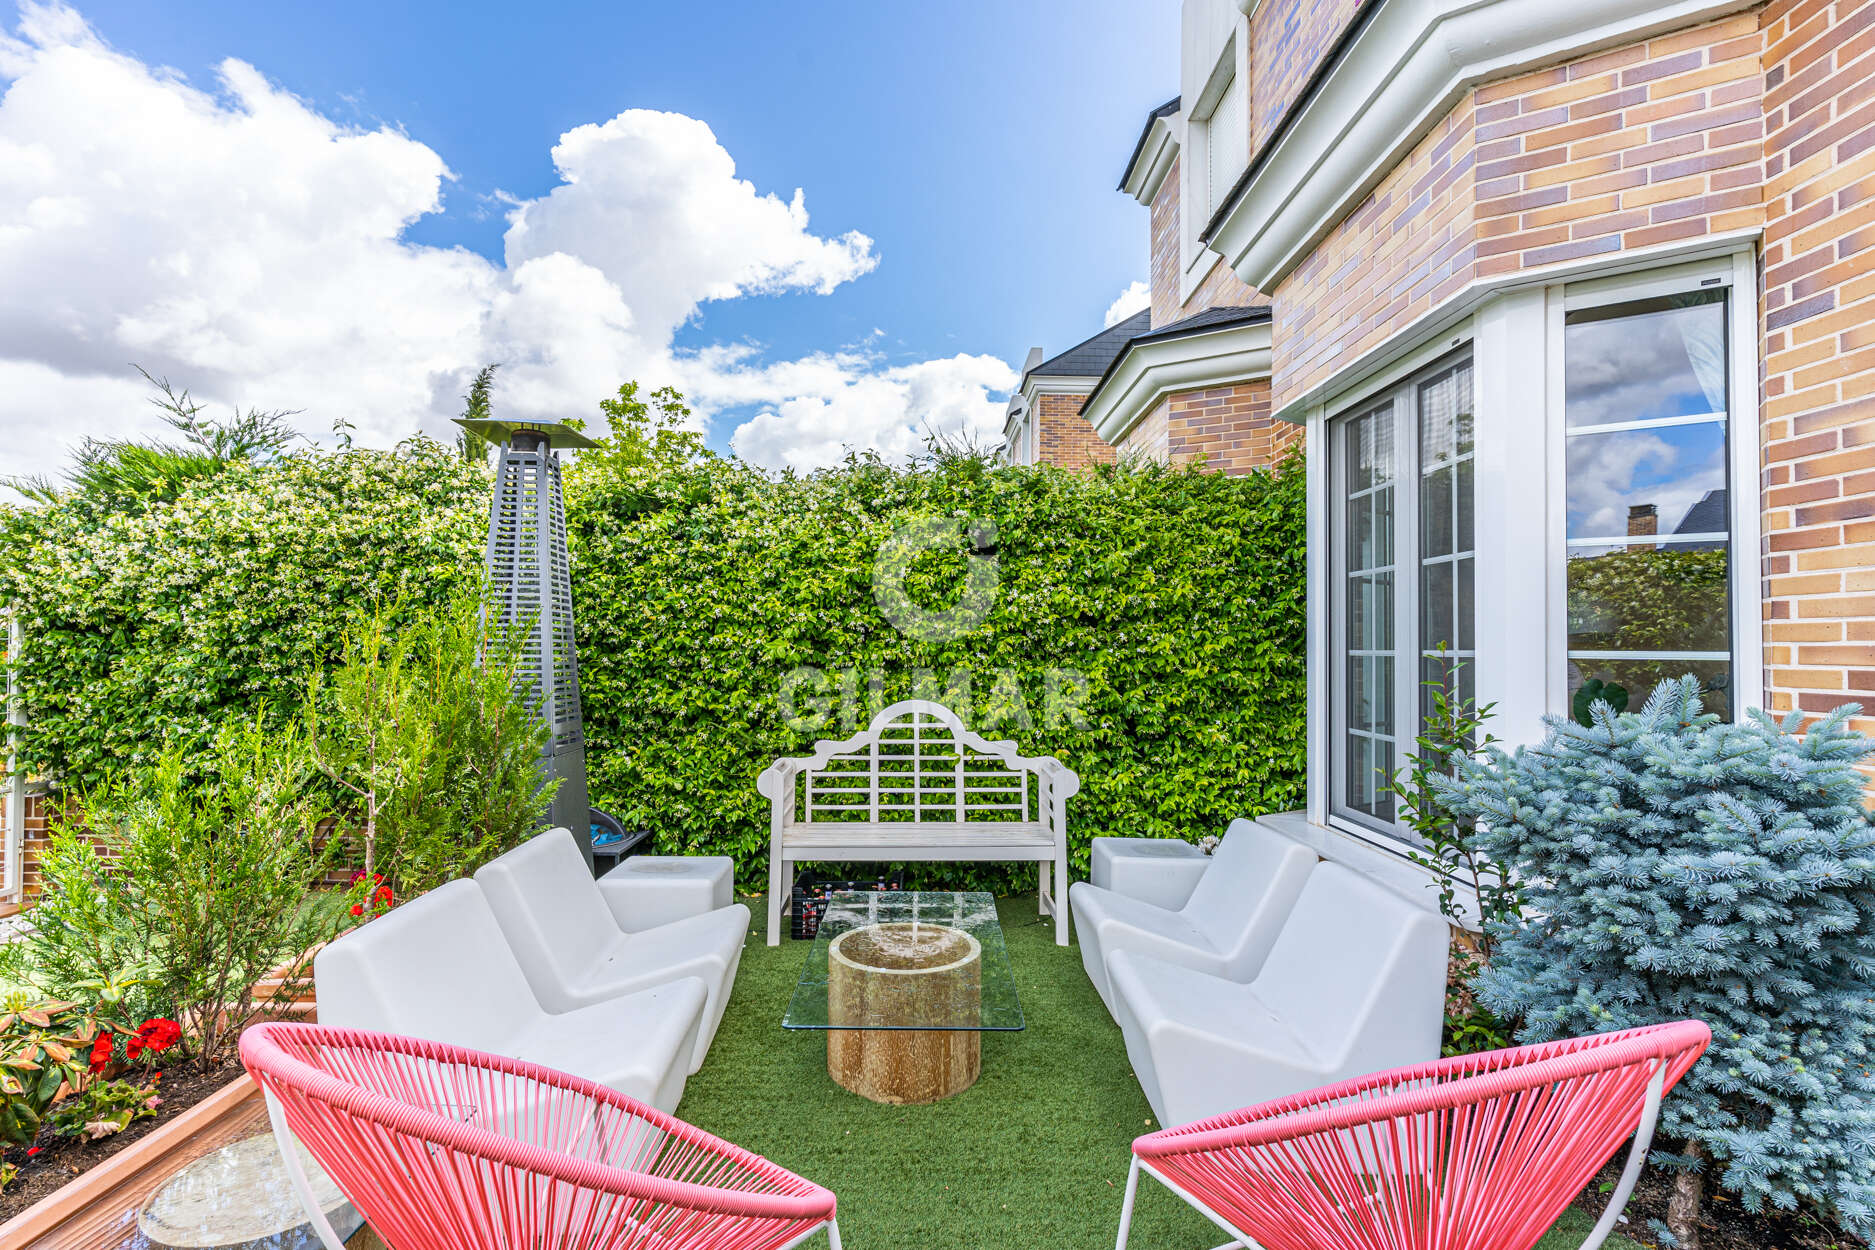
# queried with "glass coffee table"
point(905, 983)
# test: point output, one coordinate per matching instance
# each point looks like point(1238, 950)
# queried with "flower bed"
point(64, 1160)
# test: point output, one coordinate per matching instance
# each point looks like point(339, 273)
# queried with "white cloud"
point(817, 408)
point(240, 242)
point(1136, 297)
point(652, 201)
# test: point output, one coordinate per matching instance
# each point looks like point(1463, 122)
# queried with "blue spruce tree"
point(1679, 867)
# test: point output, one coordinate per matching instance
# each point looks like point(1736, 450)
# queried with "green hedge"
point(150, 622)
point(1165, 606)
point(1177, 595)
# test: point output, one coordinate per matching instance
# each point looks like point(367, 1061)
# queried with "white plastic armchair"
point(572, 950)
point(1355, 983)
point(1225, 929)
point(438, 968)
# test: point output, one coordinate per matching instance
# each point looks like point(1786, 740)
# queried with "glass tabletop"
point(907, 959)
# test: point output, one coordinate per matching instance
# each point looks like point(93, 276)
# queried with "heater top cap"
point(558, 434)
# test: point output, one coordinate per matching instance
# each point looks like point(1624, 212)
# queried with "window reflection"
point(1646, 360)
point(1649, 577)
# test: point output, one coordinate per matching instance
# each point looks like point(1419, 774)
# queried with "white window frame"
point(1231, 73)
point(1402, 387)
point(1738, 276)
point(1520, 456)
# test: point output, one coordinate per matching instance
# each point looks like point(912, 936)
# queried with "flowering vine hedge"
point(1146, 626)
point(153, 622)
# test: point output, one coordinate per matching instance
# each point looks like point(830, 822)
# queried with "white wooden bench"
point(915, 784)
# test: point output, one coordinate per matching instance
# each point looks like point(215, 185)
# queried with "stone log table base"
point(893, 978)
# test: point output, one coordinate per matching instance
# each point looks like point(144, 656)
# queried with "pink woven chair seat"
point(1481, 1152)
point(442, 1148)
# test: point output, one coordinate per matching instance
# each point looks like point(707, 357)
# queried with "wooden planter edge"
point(61, 1204)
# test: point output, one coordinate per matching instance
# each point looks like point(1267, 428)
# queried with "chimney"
point(1643, 520)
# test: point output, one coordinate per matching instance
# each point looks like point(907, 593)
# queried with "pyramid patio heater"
point(529, 581)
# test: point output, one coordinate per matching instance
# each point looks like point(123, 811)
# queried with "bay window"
point(1403, 594)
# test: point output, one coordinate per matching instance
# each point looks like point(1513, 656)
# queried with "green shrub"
point(430, 748)
point(200, 886)
point(1146, 627)
point(103, 1108)
point(159, 624)
point(1677, 866)
point(45, 1055)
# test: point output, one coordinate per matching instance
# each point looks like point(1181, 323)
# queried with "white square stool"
point(649, 890)
point(1160, 871)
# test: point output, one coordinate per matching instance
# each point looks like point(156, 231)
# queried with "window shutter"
point(1227, 146)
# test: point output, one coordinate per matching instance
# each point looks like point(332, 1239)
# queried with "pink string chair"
point(1480, 1152)
point(442, 1148)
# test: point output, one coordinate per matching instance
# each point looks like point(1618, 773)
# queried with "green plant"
point(46, 1053)
point(472, 444)
point(1679, 866)
point(1593, 691)
point(103, 1108)
point(210, 605)
point(1146, 627)
point(1474, 894)
point(209, 876)
point(81, 945)
point(126, 474)
point(422, 731)
point(1452, 730)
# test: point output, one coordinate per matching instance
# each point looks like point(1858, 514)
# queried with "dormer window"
point(1226, 139)
point(1216, 150)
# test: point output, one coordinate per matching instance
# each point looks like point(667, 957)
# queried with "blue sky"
point(976, 144)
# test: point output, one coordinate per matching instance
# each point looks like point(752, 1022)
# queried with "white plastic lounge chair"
point(574, 954)
point(438, 968)
point(1354, 984)
point(1227, 926)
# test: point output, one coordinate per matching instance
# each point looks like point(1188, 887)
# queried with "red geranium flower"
point(101, 1051)
point(358, 909)
point(155, 1035)
point(383, 897)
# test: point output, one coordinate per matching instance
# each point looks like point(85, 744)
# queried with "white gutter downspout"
point(11, 881)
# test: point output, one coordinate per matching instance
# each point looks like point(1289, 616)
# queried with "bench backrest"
point(1246, 894)
point(916, 763)
point(550, 910)
point(436, 967)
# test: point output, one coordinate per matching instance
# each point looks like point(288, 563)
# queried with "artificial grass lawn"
point(1032, 1157)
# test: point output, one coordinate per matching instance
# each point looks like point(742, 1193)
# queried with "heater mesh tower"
point(530, 585)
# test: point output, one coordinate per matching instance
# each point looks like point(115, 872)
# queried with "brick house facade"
point(1579, 298)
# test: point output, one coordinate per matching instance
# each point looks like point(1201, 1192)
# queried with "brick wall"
point(1819, 355)
point(1640, 145)
point(1632, 147)
point(1229, 426)
point(1147, 438)
point(1288, 39)
point(1221, 287)
point(1404, 249)
point(1064, 437)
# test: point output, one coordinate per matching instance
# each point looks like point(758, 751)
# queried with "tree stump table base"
point(893, 978)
